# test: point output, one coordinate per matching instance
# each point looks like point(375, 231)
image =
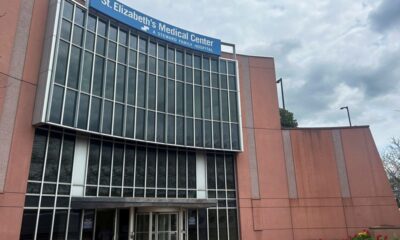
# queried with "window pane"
point(151, 104)
point(161, 68)
point(56, 104)
point(189, 132)
point(199, 133)
point(112, 50)
point(191, 170)
point(171, 129)
point(208, 134)
point(122, 54)
point(207, 103)
point(89, 41)
point(198, 101)
point(67, 158)
point(98, 76)
point(133, 41)
point(171, 70)
point(38, 155)
point(151, 125)
point(28, 224)
point(66, 30)
point(78, 36)
point(118, 119)
point(214, 80)
point(62, 59)
point(189, 100)
point(112, 33)
point(122, 37)
point(224, 81)
point(110, 79)
point(220, 172)
point(160, 127)
point(171, 169)
point(79, 16)
point(60, 224)
point(223, 229)
point(131, 86)
point(226, 136)
point(117, 165)
point(180, 102)
point(232, 83)
point(233, 227)
point(161, 168)
point(140, 124)
point(95, 114)
point(88, 225)
point(217, 134)
point(53, 156)
point(212, 223)
point(171, 55)
point(130, 122)
point(141, 98)
point(161, 94)
point(87, 73)
point(182, 170)
point(161, 52)
point(69, 109)
point(151, 168)
point(129, 166)
point(235, 136)
point(215, 104)
point(74, 226)
point(206, 64)
point(132, 58)
point(107, 117)
point(143, 45)
point(206, 79)
point(222, 67)
point(197, 61)
point(120, 87)
point(140, 167)
point(152, 65)
point(106, 156)
point(102, 28)
point(83, 111)
point(68, 10)
point(233, 106)
point(44, 224)
point(211, 171)
point(180, 134)
point(180, 73)
point(189, 75)
point(91, 23)
point(197, 77)
point(171, 96)
point(100, 45)
point(189, 59)
point(93, 163)
point(152, 49)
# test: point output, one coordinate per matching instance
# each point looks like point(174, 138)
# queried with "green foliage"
point(287, 119)
point(391, 163)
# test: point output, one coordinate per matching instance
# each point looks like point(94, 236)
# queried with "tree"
point(287, 119)
point(391, 163)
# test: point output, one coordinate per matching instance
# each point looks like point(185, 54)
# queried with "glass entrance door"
point(157, 226)
point(105, 224)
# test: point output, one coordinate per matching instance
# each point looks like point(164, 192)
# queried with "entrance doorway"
point(155, 225)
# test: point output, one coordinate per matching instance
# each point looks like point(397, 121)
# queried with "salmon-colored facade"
point(292, 183)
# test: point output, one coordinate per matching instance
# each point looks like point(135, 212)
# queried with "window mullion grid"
point(166, 173)
point(226, 198)
point(156, 101)
point(146, 100)
point(176, 97)
point(123, 171)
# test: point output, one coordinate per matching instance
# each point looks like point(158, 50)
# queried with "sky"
point(329, 53)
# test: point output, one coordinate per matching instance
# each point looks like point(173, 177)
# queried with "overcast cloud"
point(329, 53)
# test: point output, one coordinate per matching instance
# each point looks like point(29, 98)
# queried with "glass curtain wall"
point(116, 81)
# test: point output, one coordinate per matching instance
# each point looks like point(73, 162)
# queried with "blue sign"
point(157, 28)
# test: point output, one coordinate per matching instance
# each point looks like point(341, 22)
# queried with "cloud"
point(385, 16)
point(329, 53)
